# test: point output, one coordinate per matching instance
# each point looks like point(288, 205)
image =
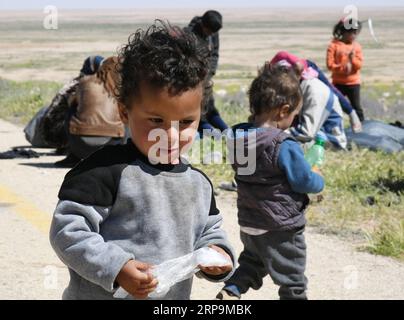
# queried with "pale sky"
point(100, 4)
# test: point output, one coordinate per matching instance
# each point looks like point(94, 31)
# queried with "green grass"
point(363, 197)
point(19, 101)
point(389, 92)
point(388, 240)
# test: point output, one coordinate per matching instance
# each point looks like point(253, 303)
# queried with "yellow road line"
point(41, 220)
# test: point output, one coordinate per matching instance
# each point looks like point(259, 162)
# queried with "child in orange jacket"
point(344, 60)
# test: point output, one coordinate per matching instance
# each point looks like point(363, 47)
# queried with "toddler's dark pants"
point(212, 118)
point(353, 94)
point(280, 254)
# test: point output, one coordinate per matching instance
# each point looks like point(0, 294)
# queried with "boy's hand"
point(215, 271)
point(136, 279)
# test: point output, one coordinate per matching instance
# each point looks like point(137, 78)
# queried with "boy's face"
point(163, 126)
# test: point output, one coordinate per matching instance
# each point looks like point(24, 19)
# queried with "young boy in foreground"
point(127, 208)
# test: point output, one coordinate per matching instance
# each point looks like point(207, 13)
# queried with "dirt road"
point(31, 270)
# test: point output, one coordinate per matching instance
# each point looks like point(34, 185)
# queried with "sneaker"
point(356, 124)
point(356, 128)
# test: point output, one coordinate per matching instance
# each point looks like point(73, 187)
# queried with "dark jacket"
point(211, 42)
point(265, 198)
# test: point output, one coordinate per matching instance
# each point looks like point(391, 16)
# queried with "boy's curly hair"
point(164, 56)
point(274, 87)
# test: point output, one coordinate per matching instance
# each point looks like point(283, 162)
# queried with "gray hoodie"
point(116, 206)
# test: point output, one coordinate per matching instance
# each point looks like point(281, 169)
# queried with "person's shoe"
point(356, 124)
point(229, 293)
point(69, 162)
point(356, 128)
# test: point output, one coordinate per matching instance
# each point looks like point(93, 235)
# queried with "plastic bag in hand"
point(179, 269)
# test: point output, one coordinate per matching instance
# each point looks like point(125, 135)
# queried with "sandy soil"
point(30, 269)
point(249, 37)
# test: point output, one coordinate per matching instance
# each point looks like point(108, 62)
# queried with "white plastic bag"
point(179, 269)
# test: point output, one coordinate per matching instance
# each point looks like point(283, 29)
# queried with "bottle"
point(315, 155)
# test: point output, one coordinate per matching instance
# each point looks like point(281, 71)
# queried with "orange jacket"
point(338, 59)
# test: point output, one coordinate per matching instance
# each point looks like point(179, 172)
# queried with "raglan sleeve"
point(75, 237)
point(213, 234)
point(85, 199)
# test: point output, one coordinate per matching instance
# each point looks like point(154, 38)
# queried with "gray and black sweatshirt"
point(115, 206)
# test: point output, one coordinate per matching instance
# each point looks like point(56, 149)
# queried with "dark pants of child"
point(353, 94)
point(280, 254)
point(212, 118)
